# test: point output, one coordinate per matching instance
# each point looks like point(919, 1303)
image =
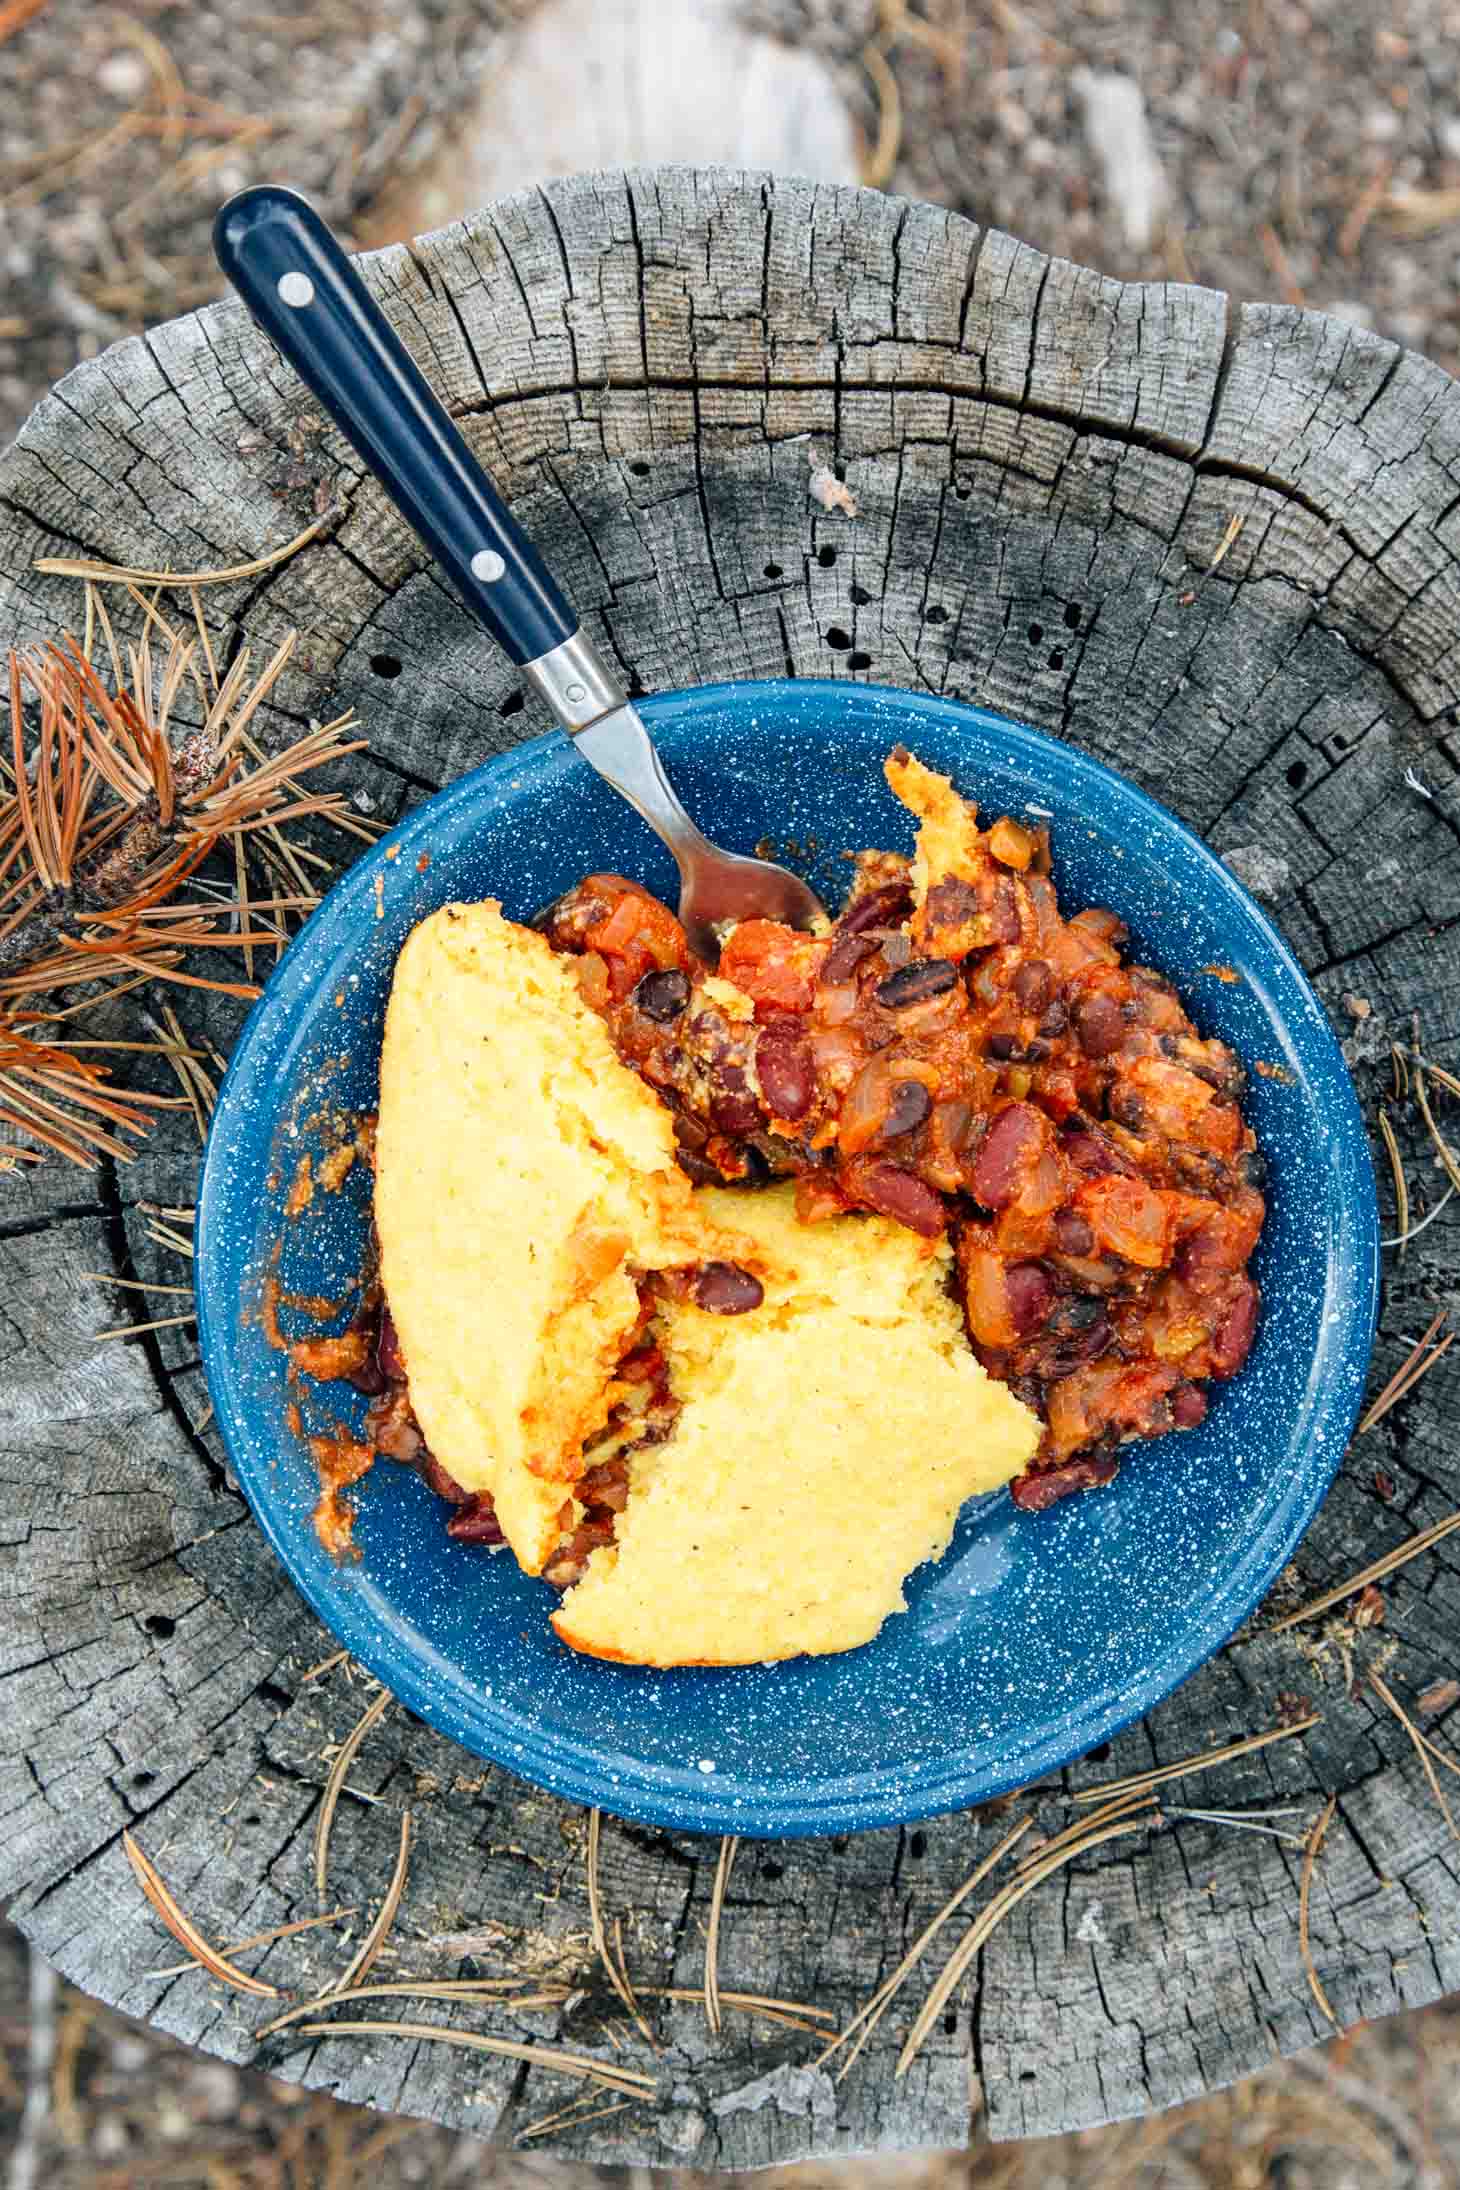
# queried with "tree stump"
point(1218, 549)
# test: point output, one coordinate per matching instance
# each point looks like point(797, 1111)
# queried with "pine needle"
point(1311, 1847)
point(882, 159)
point(618, 1976)
point(99, 573)
point(490, 1989)
point(1421, 1747)
point(1445, 1152)
point(346, 1757)
point(1417, 1363)
point(325, 1665)
point(728, 1845)
point(626, 2081)
point(570, 2117)
point(260, 1939)
point(1062, 1850)
point(139, 1330)
point(1141, 1782)
point(1401, 1183)
point(379, 1931)
point(1389, 1564)
point(794, 2014)
point(185, 1931)
point(871, 2015)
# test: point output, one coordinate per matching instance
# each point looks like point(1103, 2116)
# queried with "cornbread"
point(523, 1176)
point(825, 1445)
point(537, 1238)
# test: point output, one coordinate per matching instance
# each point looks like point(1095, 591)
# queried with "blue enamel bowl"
point(1037, 1635)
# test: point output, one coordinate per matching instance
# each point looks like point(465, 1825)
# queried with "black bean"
point(1253, 1168)
point(724, 1289)
point(914, 984)
point(662, 996)
point(1004, 1046)
point(1126, 1107)
point(882, 908)
point(910, 1105)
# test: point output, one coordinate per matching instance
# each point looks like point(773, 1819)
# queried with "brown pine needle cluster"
point(115, 789)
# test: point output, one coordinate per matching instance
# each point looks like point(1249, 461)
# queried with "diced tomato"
point(638, 936)
point(1129, 1219)
point(775, 965)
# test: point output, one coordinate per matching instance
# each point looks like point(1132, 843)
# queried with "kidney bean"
point(1072, 1234)
point(388, 1356)
point(1030, 1295)
point(1099, 1025)
point(1056, 1018)
point(476, 1522)
point(1004, 911)
point(784, 1067)
point(369, 1377)
point(882, 908)
point(896, 1193)
point(951, 904)
point(910, 1106)
point(1232, 1340)
point(663, 995)
point(915, 983)
point(1004, 1046)
point(844, 957)
point(435, 1477)
point(606, 1486)
point(1094, 1155)
point(1014, 1142)
point(724, 1289)
point(1188, 1406)
point(733, 1109)
point(1046, 1486)
point(1034, 985)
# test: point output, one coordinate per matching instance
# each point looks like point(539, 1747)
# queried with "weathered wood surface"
point(1045, 463)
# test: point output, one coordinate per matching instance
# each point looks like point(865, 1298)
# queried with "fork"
point(301, 288)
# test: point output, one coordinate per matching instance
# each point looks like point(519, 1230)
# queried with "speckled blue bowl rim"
point(848, 1799)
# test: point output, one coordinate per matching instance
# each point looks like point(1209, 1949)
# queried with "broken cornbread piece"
point(524, 1179)
point(824, 1445)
